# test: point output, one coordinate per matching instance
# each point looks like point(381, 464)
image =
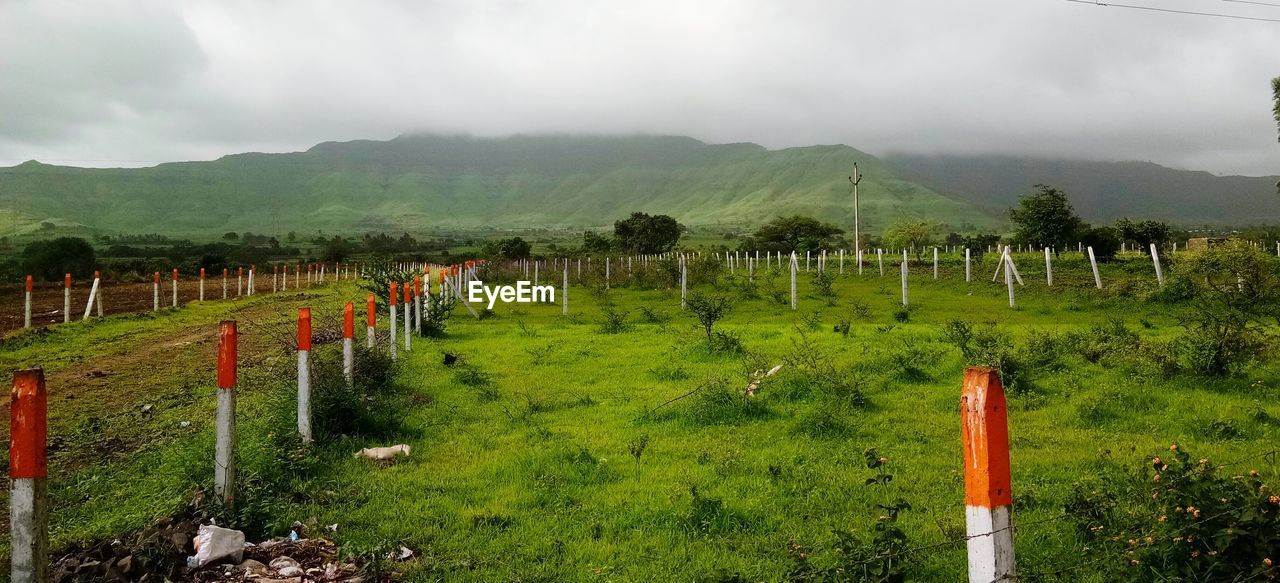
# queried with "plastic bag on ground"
point(213, 543)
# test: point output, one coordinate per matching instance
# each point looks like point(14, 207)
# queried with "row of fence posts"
point(983, 428)
point(279, 282)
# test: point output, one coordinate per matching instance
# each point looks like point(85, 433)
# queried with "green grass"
point(521, 468)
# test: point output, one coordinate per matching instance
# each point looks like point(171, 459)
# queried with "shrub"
point(708, 309)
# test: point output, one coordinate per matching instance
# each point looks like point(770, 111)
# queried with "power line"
point(1169, 10)
point(1253, 2)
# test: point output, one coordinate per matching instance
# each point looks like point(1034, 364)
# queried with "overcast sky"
point(138, 82)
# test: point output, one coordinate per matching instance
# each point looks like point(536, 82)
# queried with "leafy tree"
point(1104, 240)
point(49, 260)
point(795, 233)
point(513, 248)
point(913, 235)
point(979, 242)
point(231, 236)
point(647, 234)
point(1045, 217)
point(1144, 233)
point(1236, 296)
point(594, 243)
point(336, 249)
point(708, 309)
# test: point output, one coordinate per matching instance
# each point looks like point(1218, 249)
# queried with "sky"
point(106, 83)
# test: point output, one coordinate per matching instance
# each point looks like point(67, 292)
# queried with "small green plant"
point(637, 447)
point(614, 321)
point(708, 309)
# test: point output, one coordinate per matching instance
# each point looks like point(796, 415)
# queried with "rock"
point(89, 568)
point(403, 554)
point(294, 572)
point(146, 410)
point(282, 562)
point(126, 565)
point(252, 566)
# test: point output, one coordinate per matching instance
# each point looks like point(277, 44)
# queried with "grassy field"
point(523, 465)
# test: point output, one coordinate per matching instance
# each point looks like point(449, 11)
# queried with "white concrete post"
point(684, 281)
point(224, 453)
point(417, 303)
point(66, 299)
point(794, 267)
point(275, 278)
point(1048, 267)
point(841, 262)
point(1008, 278)
point(239, 281)
point(935, 263)
point(806, 261)
point(202, 284)
point(27, 309)
point(394, 292)
point(904, 278)
point(984, 429)
point(155, 293)
point(1155, 258)
point(371, 319)
point(408, 329)
point(1097, 279)
point(175, 288)
point(348, 342)
point(304, 373)
point(535, 273)
point(224, 283)
point(880, 258)
point(968, 272)
point(28, 478)
point(93, 294)
point(606, 272)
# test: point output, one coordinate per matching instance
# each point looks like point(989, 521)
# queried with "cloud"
point(195, 80)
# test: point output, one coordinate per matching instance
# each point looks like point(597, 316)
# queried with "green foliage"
point(1104, 240)
point(1236, 299)
point(1144, 233)
point(1045, 218)
point(912, 235)
point(379, 272)
point(50, 260)
point(795, 233)
point(708, 309)
point(511, 248)
point(336, 250)
point(1180, 519)
point(644, 234)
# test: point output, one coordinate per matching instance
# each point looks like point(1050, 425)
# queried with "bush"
point(50, 260)
point(1104, 240)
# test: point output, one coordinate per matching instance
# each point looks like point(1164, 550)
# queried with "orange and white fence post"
point(417, 303)
point(371, 318)
point(28, 475)
point(224, 283)
point(394, 292)
point(93, 294)
point(304, 373)
point(408, 301)
point(251, 287)
point(66, 299)
point(26, 317)
point(202, 284)
point(155, 293)
point(175, 288)
point(984, 429)
point(224, 456)
point(348, 342)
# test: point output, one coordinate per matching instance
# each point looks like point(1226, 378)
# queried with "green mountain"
point(1101, 191)
point(416, 183)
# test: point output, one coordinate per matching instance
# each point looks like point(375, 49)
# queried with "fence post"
point(904, 278)
point(93, 293)
point(28, 475)
point(968, 273)
point(175, 288)
point(1048, 267)
point(239, 281)
point(304, 373)
point(417, 302)
point(1097, 279)
point(684, 280)
point(408, 301)
point(794, 267)
point(224, 460)
point(155, 293)
point(202, 284)
point(66, 299)
point(224, 283)
point(371, 318)
point(984, 428)
point(1155, 258)
point(395, 288)
point(1008, 278)
point(348, 342)
point(880, 259)
point(935, 263)
point(27, 310)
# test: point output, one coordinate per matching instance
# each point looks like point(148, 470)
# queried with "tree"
point(513, 248)
point(1104, 240)
point(594, 243)
point(647, 234)
point(231, 236)
point(795, 233)
point(336, 250)
point(1144, 233)
point(49, 260)
point(913, 235)
point(1046, 218)
point(708, 310)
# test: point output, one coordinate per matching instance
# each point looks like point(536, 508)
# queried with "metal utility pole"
point(857, 240)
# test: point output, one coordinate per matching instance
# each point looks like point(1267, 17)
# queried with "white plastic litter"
point(384, 453)
point(213, 543)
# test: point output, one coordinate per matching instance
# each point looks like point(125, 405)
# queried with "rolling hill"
point(1101, 191)
point(421, 182)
